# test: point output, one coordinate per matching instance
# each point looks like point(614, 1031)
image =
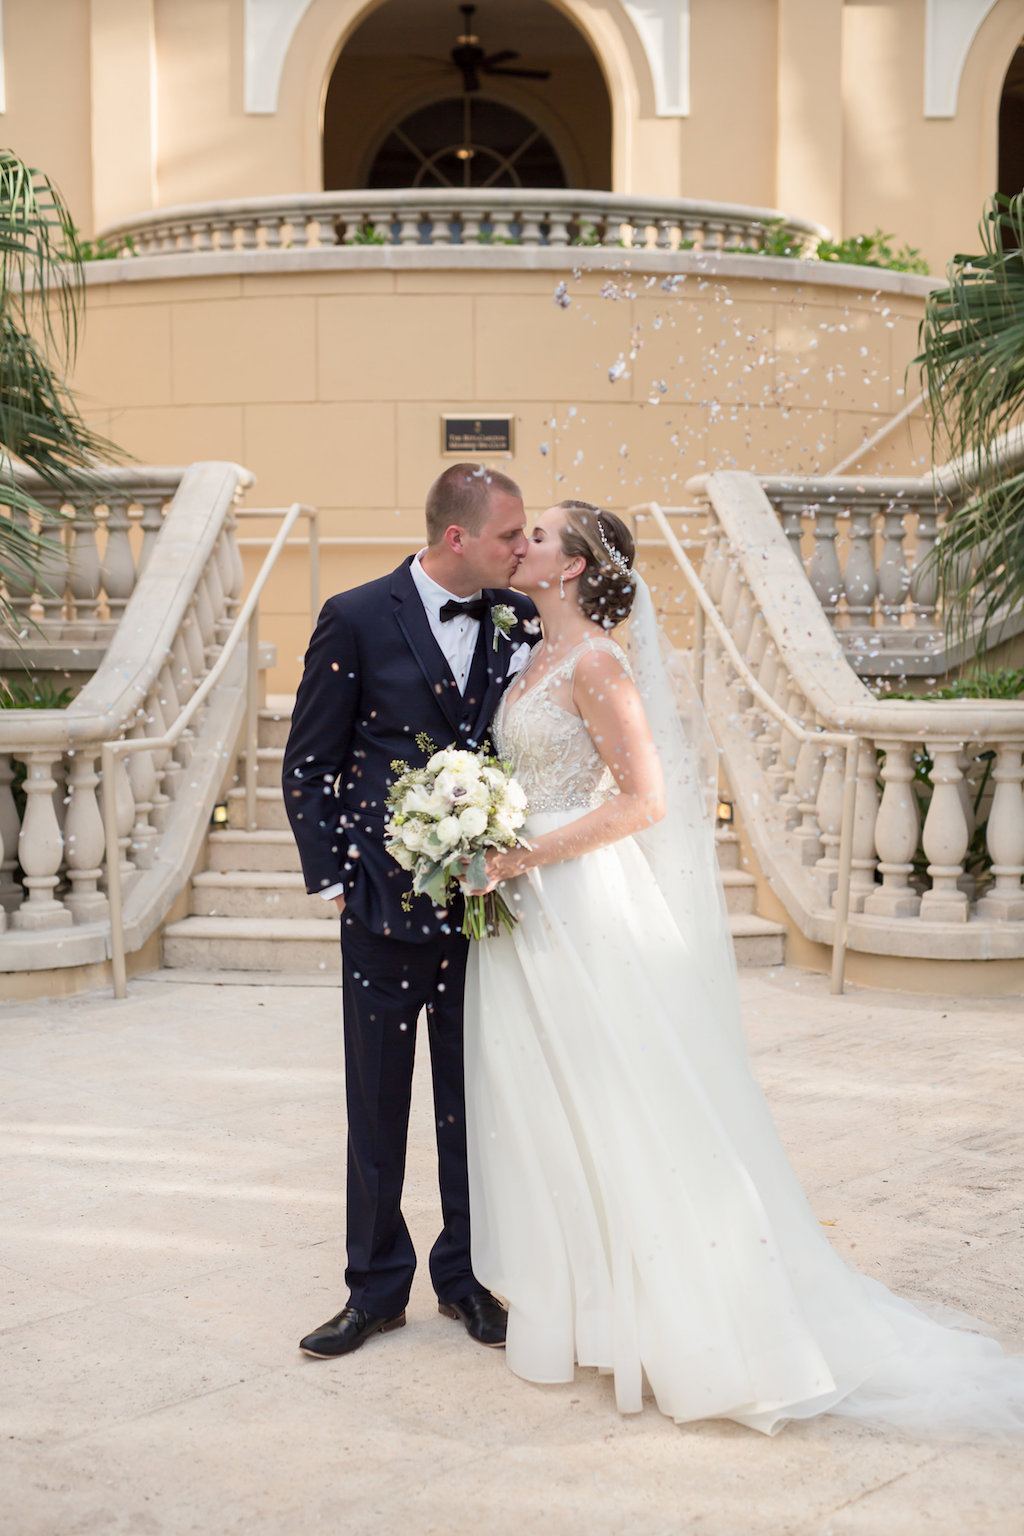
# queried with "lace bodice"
point(551, 751)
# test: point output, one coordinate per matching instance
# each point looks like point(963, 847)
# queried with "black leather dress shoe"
point(346, 1332)
point(483, 1314)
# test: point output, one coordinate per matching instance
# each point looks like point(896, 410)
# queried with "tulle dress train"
point(631, 1198)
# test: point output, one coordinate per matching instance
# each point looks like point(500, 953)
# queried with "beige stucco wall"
point(329, 383)
point(815, 106)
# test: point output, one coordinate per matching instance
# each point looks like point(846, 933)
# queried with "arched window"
point(1011, 127)
point(466, 141)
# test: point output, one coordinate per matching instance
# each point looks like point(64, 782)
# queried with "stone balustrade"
point(172, 607)
point(98, 543)
point(864, 543)
point(447, 217)
point(938, 842)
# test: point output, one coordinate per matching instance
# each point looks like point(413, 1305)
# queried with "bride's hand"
point(502, 864)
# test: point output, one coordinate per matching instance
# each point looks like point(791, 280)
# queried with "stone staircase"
point(250, 911)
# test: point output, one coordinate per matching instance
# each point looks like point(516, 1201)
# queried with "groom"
point(414, 652)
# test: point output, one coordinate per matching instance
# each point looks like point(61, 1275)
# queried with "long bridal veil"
point(926, 1370)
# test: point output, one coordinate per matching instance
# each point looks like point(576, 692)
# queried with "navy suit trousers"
point(387, 982)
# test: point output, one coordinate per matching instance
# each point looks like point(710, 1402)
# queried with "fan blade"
point(504, 57)
point(520, 74)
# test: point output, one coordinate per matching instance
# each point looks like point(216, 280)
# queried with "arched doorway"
point(1011, 127)
point(399, 112)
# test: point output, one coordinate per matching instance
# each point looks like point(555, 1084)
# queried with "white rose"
point(413, 836)
point(472, 821)
point(447, 831)
point(441, 760)
point(494, 778)
point(505, 830)
point(403, 856)
point(514, 798)
point(416, 800)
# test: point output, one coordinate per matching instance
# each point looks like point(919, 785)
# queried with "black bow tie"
point(473, 609)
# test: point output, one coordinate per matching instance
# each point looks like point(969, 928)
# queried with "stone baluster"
point(124, 815)
point(823, 572)
point(780, 771)
point(558, 233)
point(946, 836)
point(755, 655)
point(897, 829)
point(231, 566)
point(184, 687)
point(865, 816)
point(742, 629)
point(810, 761)
point(171, 707)
point(766, 740)
point(60, 792)
point(142, 776)
point(83, 840)
point(789, 753)
point(692, 232)
point(1005, 836)
point(469, 226)
point(52, 570)
point(160, 756)
point(210, 582)
point(409, 226)
point(714, 234)
point(200, 236)
point(893, 575)
point(300, 229)
point(11, 892)
point(829, 808)
point(19, 579)
point(924, 582)
point(152, 521)
point(118, 565)
point(246, 226)
point(206, 621)
point(860, 579)
point(193, 642)
point(84, 577)
point(791, 519)
point(718, 569)
point(222, 234)
point(441, 229)
point(40, 847)
point(530, 220)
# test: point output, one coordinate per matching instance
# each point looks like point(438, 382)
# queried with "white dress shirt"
point(457, 638)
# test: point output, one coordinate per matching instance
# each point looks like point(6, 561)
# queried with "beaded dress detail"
point(550, 749)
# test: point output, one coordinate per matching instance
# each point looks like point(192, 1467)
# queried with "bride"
point(630, 1196)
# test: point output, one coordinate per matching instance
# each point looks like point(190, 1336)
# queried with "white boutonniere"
point(503, 617)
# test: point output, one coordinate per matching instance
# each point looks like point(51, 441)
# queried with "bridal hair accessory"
point(503, 617)
point(615, 555)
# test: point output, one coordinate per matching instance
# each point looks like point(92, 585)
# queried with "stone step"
point(740, 891)
point(268, 767)
point(257, 893)
point(311, 944)
point(727, 846)
point(253, 851)
point(757, 940)
point(275, 721)
point(270, 812)
point(253, 944)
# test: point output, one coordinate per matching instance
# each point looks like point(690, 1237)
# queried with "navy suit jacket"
point(374, 679)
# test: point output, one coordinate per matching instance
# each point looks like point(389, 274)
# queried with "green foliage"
point(857, 250)
point(41, 296)
point(37, 693)
point(99, 249)
point(872, 251)
point(972, 359)
point(369, 234)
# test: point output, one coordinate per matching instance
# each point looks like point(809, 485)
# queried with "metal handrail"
point(247, 621)
point(849, 742)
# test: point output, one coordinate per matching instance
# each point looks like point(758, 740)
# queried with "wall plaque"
point(475, 436)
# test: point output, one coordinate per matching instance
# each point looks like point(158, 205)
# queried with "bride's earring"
point(561, 586)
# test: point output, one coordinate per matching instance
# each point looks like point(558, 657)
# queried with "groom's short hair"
point(461, 496)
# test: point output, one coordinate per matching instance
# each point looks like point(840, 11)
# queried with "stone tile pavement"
point(172, 1169)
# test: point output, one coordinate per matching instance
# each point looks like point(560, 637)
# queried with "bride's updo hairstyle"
point(607, 585)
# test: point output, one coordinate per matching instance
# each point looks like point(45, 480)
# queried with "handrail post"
point(314, 567)
point(699, 641)
point(109, 798)
point(842, 917)
point(252, 717)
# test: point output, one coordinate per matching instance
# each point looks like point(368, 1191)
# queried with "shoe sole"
point(449, 1311)
point(396, 1322)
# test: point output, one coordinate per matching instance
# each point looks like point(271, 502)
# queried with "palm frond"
point(972, 359)
point(41, 282)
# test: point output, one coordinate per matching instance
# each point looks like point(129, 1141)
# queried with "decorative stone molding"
point(663, 27)
point(950, 28)
point(270, 26)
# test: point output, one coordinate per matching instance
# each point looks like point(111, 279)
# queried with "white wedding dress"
point(630, 1196)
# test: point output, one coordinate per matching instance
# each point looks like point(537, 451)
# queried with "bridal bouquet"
point(444, 817)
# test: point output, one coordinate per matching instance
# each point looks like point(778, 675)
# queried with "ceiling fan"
point(470, 59)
